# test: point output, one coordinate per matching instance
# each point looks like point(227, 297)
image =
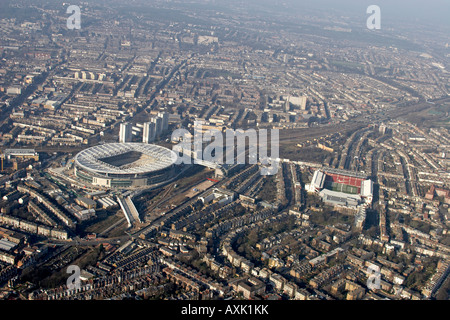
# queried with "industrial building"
point(18, 158)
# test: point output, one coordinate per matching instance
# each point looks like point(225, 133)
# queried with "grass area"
point(340, 187)
point(419, 225)
point(330, 217)
point(215, 73)
point(422, 226)
point(435, 116)
point(417, 279)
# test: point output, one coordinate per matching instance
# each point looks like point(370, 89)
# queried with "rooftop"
point(139, 158)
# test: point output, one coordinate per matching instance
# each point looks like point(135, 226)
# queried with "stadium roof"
point(318, 179)
point(347, 173)
point(367, 188)
point(154, 158)
point(340, 198)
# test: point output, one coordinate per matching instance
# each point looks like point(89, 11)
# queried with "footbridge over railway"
point(129, 210)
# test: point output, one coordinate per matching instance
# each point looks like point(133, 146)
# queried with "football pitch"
point(340, 187)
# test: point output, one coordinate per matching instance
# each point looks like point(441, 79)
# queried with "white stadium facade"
point(341, 187)
point(125, 165)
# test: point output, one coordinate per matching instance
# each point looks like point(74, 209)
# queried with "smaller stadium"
point(124, 165)
point(341, 187)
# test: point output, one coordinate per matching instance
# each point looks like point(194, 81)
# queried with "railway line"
point(163, 198)
point(354, 124)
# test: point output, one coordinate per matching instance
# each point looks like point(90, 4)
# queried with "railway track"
point(356, 123)
point(163, 199)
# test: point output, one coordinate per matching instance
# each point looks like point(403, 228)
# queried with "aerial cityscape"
point(224, 150)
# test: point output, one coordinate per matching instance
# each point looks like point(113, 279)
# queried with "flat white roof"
point(339, 197)
point(19, 152)
point(318, 179)
point(367, 188)
point(6, 245)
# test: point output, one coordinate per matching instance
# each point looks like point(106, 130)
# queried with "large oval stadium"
point(123, 165)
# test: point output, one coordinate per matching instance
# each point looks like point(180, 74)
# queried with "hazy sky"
point(429, 11)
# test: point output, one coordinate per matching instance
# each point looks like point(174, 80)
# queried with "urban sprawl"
point(89, 178)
